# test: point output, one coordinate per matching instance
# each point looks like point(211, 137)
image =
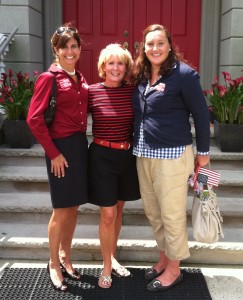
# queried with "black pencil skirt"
point(70, 190)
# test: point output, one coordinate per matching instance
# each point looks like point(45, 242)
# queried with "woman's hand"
point(202, 160)
point(58, 165)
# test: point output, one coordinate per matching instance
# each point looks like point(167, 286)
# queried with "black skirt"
point(70, 190)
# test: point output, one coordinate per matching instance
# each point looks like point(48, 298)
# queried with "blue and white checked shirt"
point(162, 153)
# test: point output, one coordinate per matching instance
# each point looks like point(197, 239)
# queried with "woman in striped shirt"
point(112, 175)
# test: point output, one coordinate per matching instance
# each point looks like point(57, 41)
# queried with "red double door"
point(101, 22)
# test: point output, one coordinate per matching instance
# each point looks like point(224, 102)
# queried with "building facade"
point(221, 38)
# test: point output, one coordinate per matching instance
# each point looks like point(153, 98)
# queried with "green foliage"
point(15, 94)
point(227, 100)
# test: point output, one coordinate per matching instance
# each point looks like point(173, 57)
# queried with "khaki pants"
point(163, 187)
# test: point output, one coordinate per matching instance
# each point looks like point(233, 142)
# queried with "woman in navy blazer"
point(168, 92)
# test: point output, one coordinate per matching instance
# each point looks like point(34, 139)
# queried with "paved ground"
point(225, 282)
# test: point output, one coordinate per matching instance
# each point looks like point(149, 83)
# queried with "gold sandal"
point(104, 281)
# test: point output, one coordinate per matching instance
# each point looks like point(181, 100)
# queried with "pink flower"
point(215, 86)
point(226, 75)
point(36, 73)
point(238, 81)
point(222, 92)
point(222, 88)
point(15, 94)
point(210, 92)
point(10, 73)
point(216, 79)
point(160, 87)
point(231, 82)
point(20, 77)
point(226, 100)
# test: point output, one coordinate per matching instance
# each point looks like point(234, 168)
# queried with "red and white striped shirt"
point(112, 112)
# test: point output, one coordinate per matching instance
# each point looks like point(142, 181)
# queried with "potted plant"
point(226, 108)
point(15, 96)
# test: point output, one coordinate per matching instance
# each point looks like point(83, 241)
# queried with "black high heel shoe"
point(62, 287)
point(74, 276)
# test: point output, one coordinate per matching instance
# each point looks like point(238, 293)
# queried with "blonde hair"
point(114, 50)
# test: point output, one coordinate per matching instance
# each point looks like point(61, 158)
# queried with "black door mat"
point(34, 284)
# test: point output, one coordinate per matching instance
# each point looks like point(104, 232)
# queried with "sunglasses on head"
point(62, 29)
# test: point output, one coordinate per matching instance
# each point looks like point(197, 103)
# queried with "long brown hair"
point(142, 66)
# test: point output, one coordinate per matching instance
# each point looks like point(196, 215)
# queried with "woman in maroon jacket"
point(65, 146)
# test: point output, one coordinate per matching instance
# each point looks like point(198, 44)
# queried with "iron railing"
point(5, 41)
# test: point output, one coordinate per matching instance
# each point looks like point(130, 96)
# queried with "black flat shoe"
point(151, 273)
point(74, 276)
point(156, 286)
point(62, 287)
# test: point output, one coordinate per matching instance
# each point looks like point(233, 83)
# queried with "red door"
point(101, 22)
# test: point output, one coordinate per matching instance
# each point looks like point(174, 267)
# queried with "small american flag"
point(207, 176)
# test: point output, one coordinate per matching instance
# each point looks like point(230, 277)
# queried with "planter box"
point(18, 134)
point(2, 119)
point(229, 137)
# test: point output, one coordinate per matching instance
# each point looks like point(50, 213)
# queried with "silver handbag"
point(206, 218)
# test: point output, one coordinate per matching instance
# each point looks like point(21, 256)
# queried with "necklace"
point(69, 73)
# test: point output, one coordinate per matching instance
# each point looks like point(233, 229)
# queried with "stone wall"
point(26, 53)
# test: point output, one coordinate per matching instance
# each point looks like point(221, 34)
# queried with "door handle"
point(125, 45)
point(125, 33)
point(136, 46)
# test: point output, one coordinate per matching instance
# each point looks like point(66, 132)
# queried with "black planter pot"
point(18, 134)
point(2, 119)
point(212, 116)
point(229, 137)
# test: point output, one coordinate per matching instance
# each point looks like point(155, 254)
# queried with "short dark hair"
point(62, 35)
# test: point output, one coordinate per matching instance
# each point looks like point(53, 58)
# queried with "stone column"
point(209, 50)
point(231, 41)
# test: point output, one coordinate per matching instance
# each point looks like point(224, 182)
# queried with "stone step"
point(38, 174)
point(25, 209)
point(23, 174)
point(36, 207)
point(22, 157)
point(225, 160)
point(35, 156)
point(136, 243)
